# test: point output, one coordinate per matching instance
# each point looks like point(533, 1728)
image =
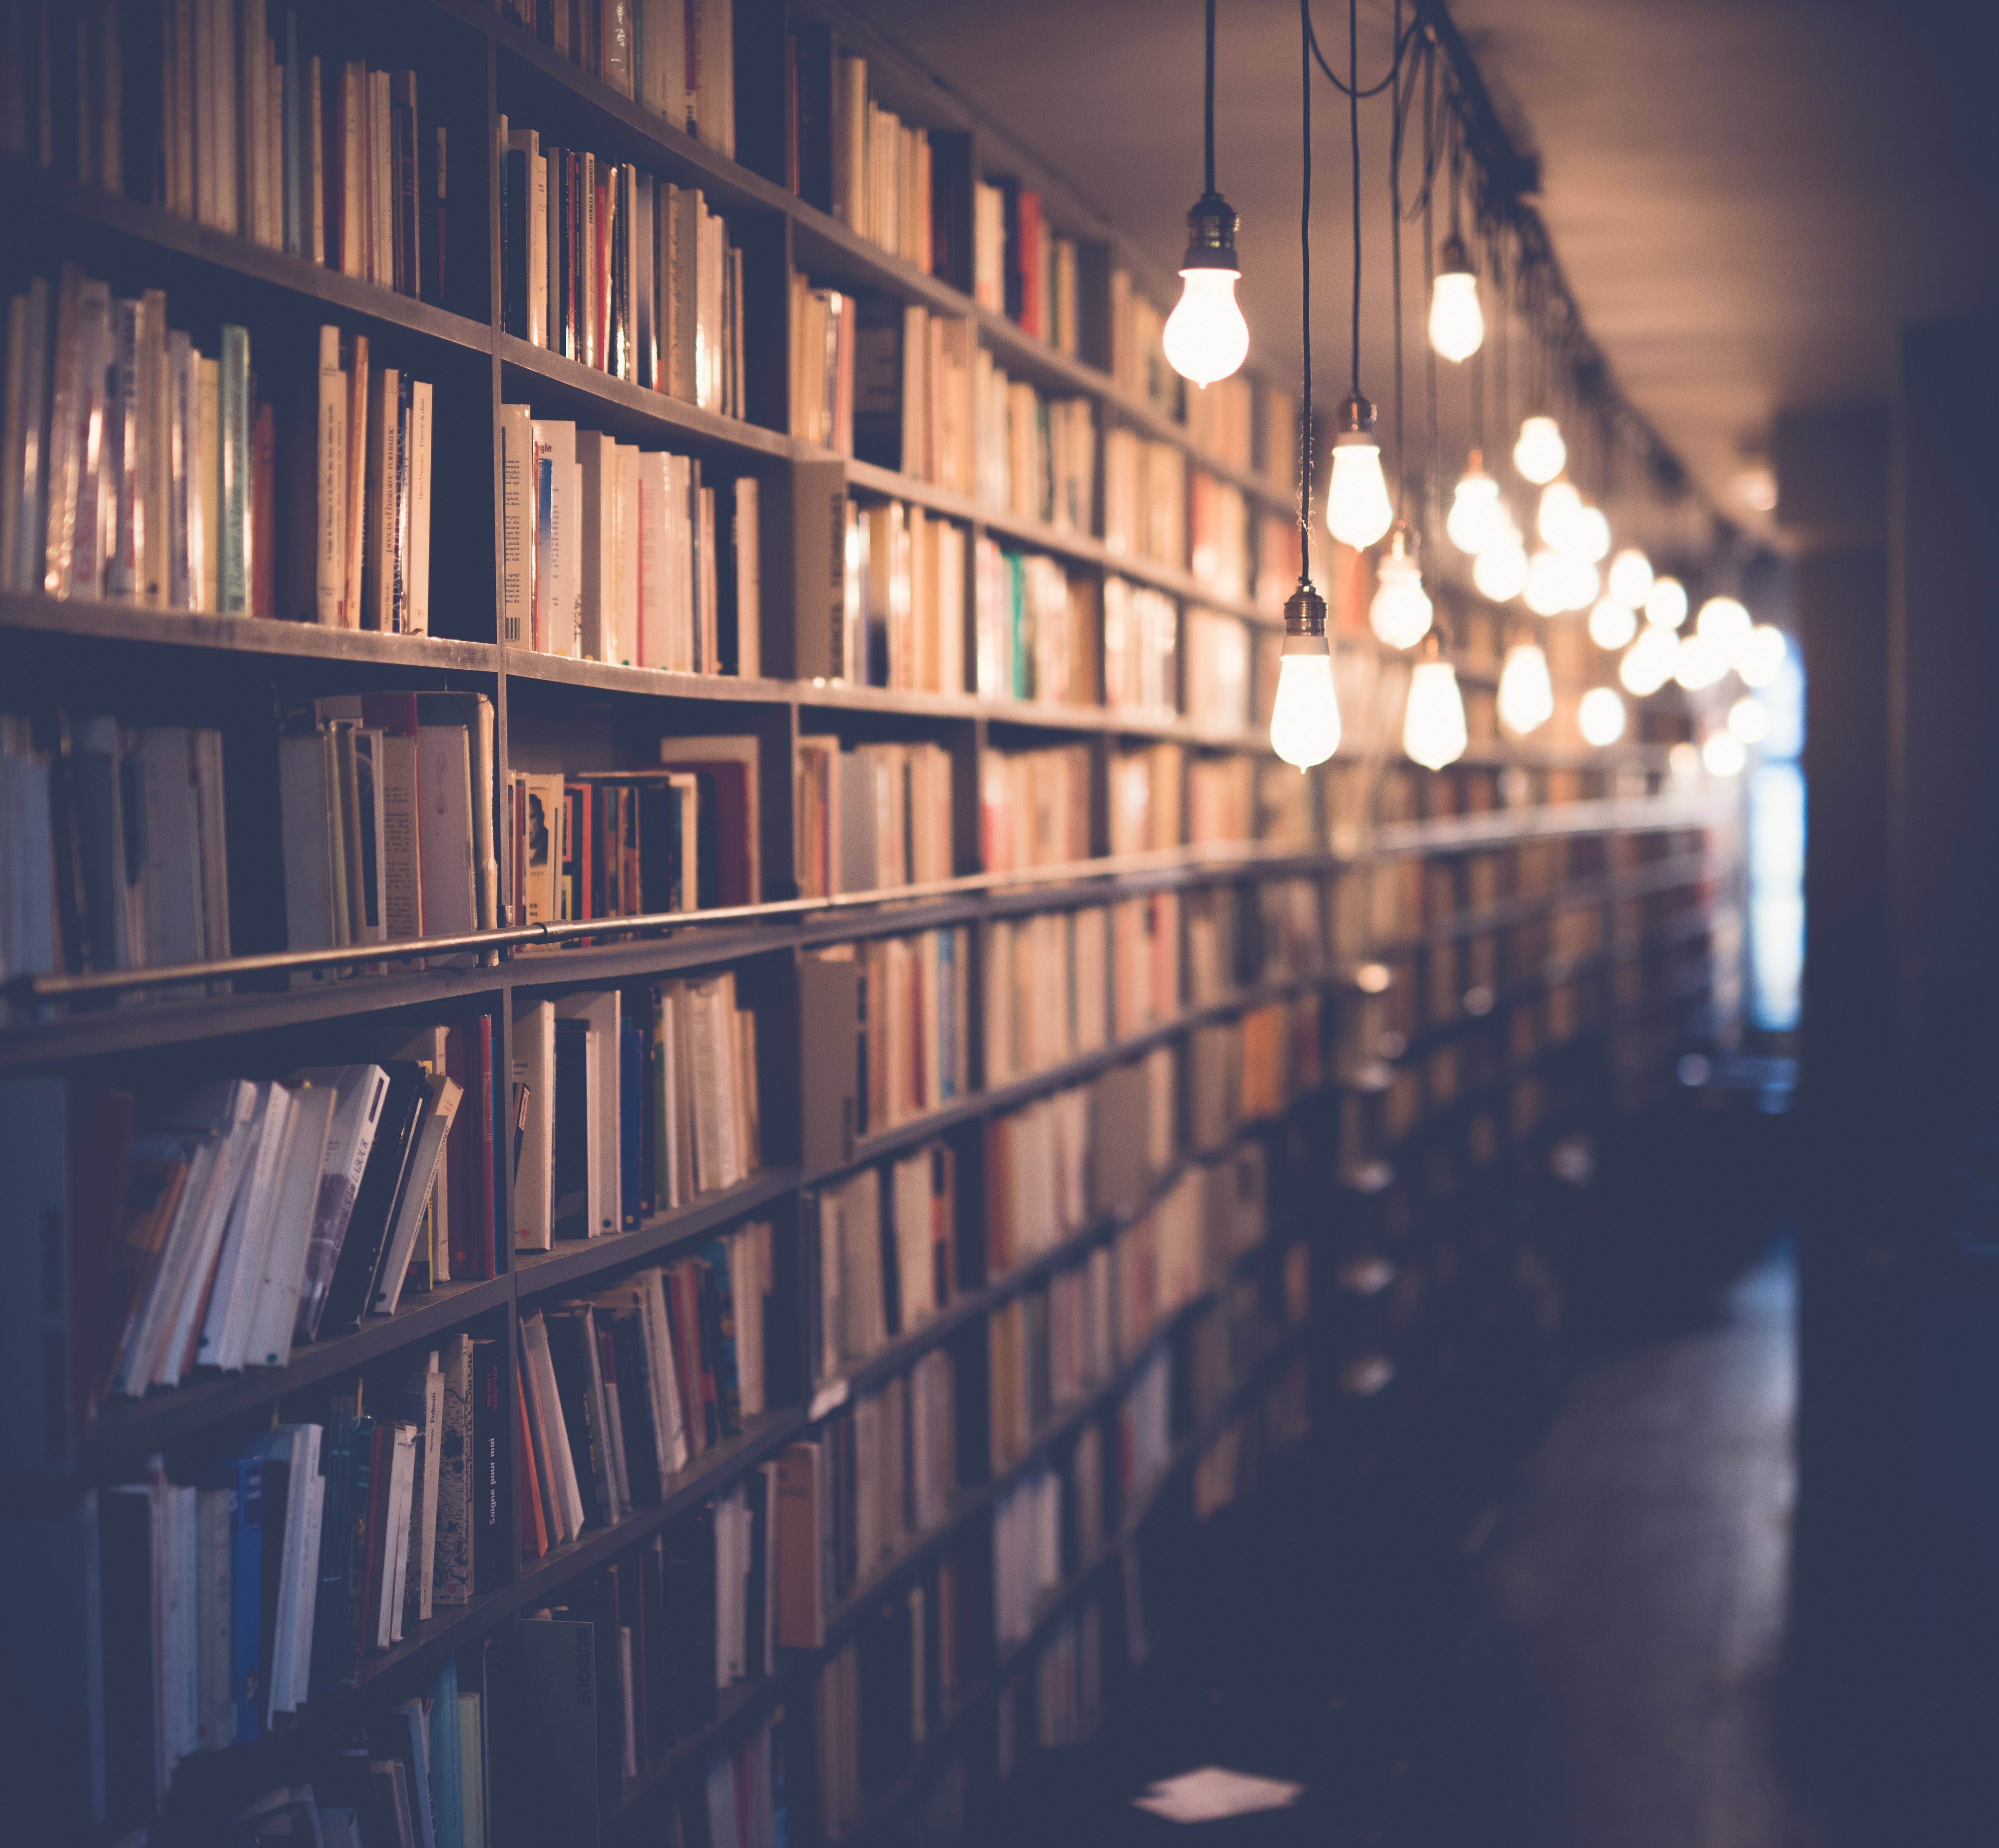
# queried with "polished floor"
point(1595, 1657)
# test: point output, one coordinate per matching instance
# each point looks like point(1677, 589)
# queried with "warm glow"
point(1548, 584)
point(1400, 614)
point(1580, 581)
point(1457, 327)
point(1647, 665)
point(1526, 695)
point(1304, 721)
point(1725, 622)
point(1666, 603)
point(1700, 662)
point(1761, 658)
point(1683, 762)
point(1723, 754)
point(1589, 536)
point(1556, 514)
point(1749, 719)
point(1501, 572)
point(1541, 454)
point(1612, 622)
point(1433, 732)
point(1599, 715)
point(1205, 336)
point(1631, 577)
point(1357, 511)
point(1477, 520)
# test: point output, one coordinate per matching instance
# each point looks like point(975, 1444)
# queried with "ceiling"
point(1748, 197)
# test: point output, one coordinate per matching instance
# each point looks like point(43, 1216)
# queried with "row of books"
point(1141, 650)
point(913, 392)
point(884, 1257)
point(1221, 799)
point(629, 1104)
point(1039, 1178)
point(386, 834)
point(113, 841)
point(1020, 269)
point(882, 167)
point(1068, 1680)
point(1037, 454)
point(903, 609)
point(619, 1393)
point(1144, 499)
point(213, 110)
point(218, 1227)
point(1147, 805)
point(1034, 807)
point(1218, 534)
point(1034, 627)
point(674, 57)
point(1043, 1349)
point(632, 276)
point(1138, 347)
point(619, 554)
point(824, 341)
point(872, 817)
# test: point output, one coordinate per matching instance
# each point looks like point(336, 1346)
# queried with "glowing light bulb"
point(1476, 518)
point(1648, 662)
point(1457, 326)
point(1749, 719)
point(1526, 695)
point(1580, 580)
point(1599, 716)
point(1589, 536)
point(1612, 622)
point(1433, 733)
point(1400, 614)
point(1723, 754)
point(1548, 584)
point(1683, 762)
point(1205, 336)
point(1631, 577)
point(1357, 511)
point(1540, 453)
point(1305, 717)
point(1666, 603)
point(1700, 662)
point(1725, 623)
point(1761, 658)
point(1556, 513)
point(1501, 570)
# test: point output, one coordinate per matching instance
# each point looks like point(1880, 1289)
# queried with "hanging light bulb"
point(1581, 580)
point(1723, 754)
point(1725, 622)
point(1556, 515)
point(1433, 733)
point(1457, 326)
point(1500, 571)
point(1357, 511)
point(1666, 603)
point(1612, 622)
point(1761, 658)
point(1599, 716)
point(1206, 337)
point(1541, 454)
point(1700, 662)
point(1631, 577)
point(1400, 614)
point(1548, 584)
point(1648, 662)
point(1589, 536)
point(1305, 720)
point(1526, 695)
point(1749, 719)
point(1477, 519)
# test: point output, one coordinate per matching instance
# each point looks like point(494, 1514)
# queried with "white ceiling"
point(1748, 197)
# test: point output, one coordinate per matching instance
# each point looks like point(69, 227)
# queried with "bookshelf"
point(1459, 1037)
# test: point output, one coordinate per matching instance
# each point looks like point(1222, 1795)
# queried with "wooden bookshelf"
point(1647, 980)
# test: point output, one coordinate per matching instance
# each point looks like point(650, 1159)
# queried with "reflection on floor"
point(1595, 1660)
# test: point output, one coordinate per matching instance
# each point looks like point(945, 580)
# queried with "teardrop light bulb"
point(1589, 536)
point(1725, 623)
point(1477, 519)
point(1580, 580)
point(1648, 662)
point(1400, 614)
point(1749, 719)
point(1357, 511)
point(1205, 336)
point(1560, 504)
point(1599, 716)
point(1612, 622)
point(1500, 571)
point(1433, 732)
point(1760, 659)
point(1457, 324)
point(1541, 454)
point(1548, 584)
point(1666, 604)
point(1631, 577)
point(1305, 718)
point(1526, 695)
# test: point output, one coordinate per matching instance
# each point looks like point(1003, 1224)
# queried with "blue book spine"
point(447, 1768)
point(233, 572)
point(245, 1475)
point(292, 134)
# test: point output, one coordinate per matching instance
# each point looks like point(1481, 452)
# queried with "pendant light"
point(1305, 717)
point(1401, 612)
point(1500, 571)
point(1357, 508)
point(1546, 589)
point(1457, 324)
point(1206, 337)
point(1477, 520)
point(1666, 603)
point(1527, 693)
point(1725, 622)
point(1599, 716)
point(1648, 662)
point(1631, 577)
point(1612, 621)
point(1541, 454)
point(1761, 658)
point(1433, 730)
point(1554, 520)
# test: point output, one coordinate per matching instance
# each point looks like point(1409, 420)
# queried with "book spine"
point(233, 587)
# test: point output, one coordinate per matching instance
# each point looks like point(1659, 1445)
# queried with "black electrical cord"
point(1307, 434)
point(1210, 170)
point(1353, 140)
point(1395, 268)
point(1433, 469)
point(1333, 77)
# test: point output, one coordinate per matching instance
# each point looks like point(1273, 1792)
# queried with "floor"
point(1598, 1663)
